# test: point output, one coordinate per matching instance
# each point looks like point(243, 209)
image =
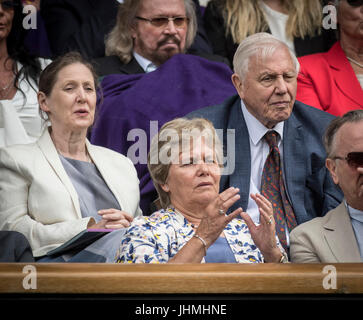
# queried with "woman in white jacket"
point(53, 189)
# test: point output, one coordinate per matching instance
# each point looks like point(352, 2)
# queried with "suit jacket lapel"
point(294, 161)
point(240, 154)
point(49, 151)
point(343, 74)
point(132, 67)
point(108, 176)
point(339, 234)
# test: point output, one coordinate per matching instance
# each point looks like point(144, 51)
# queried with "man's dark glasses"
point(355, 3)
point(179, 22)
point(354, 159)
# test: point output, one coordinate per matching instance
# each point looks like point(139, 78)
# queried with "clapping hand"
point(264, 234)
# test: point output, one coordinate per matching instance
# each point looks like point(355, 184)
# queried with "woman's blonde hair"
point(245, 17)
point(119, 41)
point(174, 137)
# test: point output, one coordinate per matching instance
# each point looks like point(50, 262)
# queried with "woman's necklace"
point(4, 90)
point(355, 62)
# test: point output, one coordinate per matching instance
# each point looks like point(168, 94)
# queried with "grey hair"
point(173, 138)
point(119, 41)
point(262, 44)
point(335, 125)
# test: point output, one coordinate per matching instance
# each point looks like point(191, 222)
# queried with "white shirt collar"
point(143, 62)
point(354, 213)
point(256, 129)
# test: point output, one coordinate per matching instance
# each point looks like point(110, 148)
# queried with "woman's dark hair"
point(16, 49)
point(49, 75)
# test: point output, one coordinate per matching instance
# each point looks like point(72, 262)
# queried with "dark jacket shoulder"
point(112, 65)
point(218, 114)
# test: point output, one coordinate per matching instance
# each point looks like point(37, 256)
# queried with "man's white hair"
point(262, 44)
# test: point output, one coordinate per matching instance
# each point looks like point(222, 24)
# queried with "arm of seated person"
point(15, 188)
point(301, 250)
point(193, 252)
point(143, 244)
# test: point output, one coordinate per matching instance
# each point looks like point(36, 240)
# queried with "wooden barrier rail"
point(181, 279)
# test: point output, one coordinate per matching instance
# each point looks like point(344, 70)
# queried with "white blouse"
point(360, 79)
point(20, 122)
point(277, 24)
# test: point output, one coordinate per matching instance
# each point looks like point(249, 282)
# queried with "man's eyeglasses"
point(8, 4)
point(179, 22)
point(354, 159)
point(355, 3)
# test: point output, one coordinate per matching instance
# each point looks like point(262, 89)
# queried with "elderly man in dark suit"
point(278, 148)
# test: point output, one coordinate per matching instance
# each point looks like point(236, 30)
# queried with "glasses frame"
point(152, 21)
point(351, 161)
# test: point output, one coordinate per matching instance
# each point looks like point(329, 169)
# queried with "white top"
point(360, 79)
point(145, 64)
point(277, 24)
point(20, 122)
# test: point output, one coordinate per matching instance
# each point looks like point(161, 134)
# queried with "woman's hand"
point(210, 227)
point(264, 235)
point(215, 219)
point(112, 219)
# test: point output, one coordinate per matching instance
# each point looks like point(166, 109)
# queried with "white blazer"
point(37, 198)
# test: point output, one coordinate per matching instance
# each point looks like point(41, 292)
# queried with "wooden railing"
point(181, 279)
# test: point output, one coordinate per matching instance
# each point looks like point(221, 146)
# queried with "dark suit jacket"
point(79, 25)
point(225, 46)
point(310, 188)
point(113, 65)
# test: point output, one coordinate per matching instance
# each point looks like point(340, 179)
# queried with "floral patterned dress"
point(157, 238)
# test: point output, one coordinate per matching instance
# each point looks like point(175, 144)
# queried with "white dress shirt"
point(145, 64)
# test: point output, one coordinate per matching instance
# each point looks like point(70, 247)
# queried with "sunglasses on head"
point(355, 3)
point(354, 159)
